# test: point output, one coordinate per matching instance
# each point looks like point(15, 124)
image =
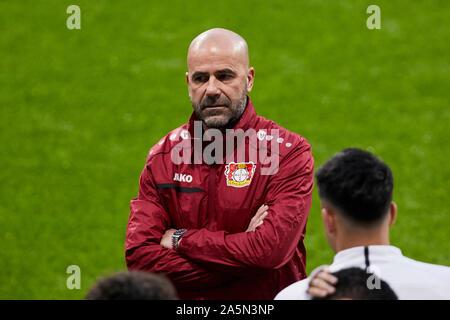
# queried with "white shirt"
point(410, 279)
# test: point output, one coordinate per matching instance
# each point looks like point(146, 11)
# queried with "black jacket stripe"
point(178, 188)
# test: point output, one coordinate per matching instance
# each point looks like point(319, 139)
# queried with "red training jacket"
point(217, 259)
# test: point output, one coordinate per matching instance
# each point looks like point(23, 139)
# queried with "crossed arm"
point(269, 241)
point(257, 220)
point(148, 231)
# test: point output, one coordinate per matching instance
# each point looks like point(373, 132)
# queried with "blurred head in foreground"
point(134, 285)
point(352, 285)
point(355, 190)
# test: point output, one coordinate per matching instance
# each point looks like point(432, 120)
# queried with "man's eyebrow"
point(199, 73)
point(222, 71)
point(226, 70)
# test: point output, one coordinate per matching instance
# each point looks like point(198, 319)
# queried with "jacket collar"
point(357, 253)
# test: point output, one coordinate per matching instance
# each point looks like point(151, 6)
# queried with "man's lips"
point(214, 107)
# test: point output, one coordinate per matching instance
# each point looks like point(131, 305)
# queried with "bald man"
point(223, 220)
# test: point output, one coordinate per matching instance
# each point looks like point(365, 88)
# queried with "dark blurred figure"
point(135, 285)
point(352, 285)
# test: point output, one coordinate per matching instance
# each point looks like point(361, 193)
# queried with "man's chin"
point(216, 122)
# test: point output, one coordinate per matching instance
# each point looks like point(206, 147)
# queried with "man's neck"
point(379, 239)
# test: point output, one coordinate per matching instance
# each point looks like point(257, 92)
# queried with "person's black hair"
point(355, 284)
point(134, 285)
point(358, 184)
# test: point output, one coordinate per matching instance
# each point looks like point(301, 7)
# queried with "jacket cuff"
point(183, 245)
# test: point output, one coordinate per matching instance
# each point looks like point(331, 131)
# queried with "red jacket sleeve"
point(270, 246)
point(146, 225)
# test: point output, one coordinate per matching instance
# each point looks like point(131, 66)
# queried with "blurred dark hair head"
point(134, 285)
point(352, 284)
point(358, 184)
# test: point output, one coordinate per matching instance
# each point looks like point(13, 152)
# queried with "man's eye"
point(200, 79)
point(223, 77)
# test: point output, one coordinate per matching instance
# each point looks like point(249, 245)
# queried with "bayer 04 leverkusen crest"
point(239, 174)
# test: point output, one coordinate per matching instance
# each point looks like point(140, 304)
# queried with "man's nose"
point(212, 88)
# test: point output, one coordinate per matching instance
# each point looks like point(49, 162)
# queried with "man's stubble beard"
point(221, 124)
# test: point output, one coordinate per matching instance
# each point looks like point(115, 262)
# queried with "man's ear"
point(329, 220)
point(392, 213)
point(188, 85)
point(250, 78)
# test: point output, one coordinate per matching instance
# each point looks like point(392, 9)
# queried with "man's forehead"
point(212, 64)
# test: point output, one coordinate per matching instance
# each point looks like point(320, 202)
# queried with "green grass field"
point(81, 108)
